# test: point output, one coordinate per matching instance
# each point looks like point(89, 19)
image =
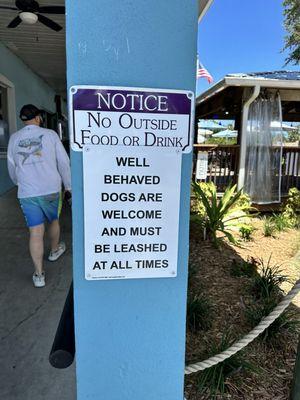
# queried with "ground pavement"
point(29, 316)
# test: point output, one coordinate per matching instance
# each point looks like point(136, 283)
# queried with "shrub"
point(220, 215)
point(269, 227)
point(291, 209)
point(244, 268)
point(220, 141)
point(267, 283)
point(199, 313)
point(214, 380)
point(246, 232)
point(244, 202)
point(207, 188)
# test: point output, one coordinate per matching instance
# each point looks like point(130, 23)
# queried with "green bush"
point(219, 215)
point(207, 188)
point(244, 202)
point(220, 141)
point(199, 313)
point(246, 232)
point(291, 209)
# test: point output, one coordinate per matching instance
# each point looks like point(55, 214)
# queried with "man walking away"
point(38, 164)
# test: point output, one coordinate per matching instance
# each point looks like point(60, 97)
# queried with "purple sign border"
point(86, 99)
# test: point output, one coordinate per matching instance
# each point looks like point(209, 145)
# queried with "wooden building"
point(230, 99)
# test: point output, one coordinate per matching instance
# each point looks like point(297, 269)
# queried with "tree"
point(293, 136)
point(292, 25)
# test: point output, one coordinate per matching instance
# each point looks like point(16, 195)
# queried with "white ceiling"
point(41, 48)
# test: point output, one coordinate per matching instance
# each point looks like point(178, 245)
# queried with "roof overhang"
point(203, 7)
point(247, 82)
point(225, 99)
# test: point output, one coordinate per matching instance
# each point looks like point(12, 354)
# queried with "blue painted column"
point(130, 334)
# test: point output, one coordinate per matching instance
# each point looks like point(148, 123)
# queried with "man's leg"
point(51, 208)
point(54, 233)
point(57, 248)
point(36, 247)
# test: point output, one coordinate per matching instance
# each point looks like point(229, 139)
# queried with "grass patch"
point(276, 223)
point(214, 381)
point(269, 227)
point(268, 293)
point(267, 283)
point(276, 334)
point(281, 222)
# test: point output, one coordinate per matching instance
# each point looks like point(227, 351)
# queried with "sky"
point(241, 36)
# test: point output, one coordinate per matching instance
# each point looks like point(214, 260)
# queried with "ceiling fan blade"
point(52, 10)
point(7, 8)
point(15, 22)
point(49, 23)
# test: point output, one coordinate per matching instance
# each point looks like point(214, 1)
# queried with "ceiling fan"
point(30, 12)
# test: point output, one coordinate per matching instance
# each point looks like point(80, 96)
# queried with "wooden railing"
point(290, 168)
point(223, 165)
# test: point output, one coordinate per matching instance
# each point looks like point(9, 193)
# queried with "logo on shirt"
point(34, 145)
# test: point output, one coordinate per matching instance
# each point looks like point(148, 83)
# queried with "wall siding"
point(29, 88)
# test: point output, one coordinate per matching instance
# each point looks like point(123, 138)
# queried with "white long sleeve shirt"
point(37, 162)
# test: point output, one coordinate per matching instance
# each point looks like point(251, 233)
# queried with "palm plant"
point(220, 214)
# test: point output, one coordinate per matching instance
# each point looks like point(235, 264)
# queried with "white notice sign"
point(131, 212)
point(131, 117)
point(202, 165)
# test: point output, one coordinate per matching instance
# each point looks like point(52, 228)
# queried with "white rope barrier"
point(240, 344)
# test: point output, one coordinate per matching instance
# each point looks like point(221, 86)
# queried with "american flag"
point(203, 73)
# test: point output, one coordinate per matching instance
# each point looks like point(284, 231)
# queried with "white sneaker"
point(54, 255)
point(39, 280)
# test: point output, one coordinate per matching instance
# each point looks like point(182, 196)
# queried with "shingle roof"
point(282, 75)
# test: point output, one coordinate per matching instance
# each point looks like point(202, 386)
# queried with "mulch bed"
point(229, 296)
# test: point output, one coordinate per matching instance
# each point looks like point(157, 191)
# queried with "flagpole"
point(197, 80)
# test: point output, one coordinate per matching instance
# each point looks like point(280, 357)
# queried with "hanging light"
point(28, 17)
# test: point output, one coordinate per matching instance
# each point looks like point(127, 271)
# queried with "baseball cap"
point(28, 112)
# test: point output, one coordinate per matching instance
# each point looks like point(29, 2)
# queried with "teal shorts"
point(39, 209)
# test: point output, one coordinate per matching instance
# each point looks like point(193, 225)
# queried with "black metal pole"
point(63, 348)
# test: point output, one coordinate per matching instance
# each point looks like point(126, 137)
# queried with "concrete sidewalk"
point(29, 316)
